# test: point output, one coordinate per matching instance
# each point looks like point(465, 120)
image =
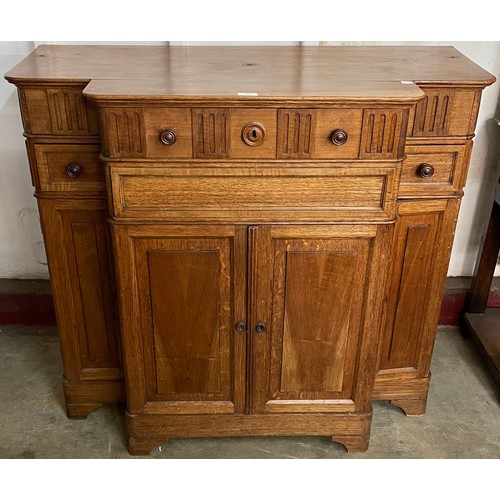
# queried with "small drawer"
point(338, 133)
point(433, 170)
point(253, 133)
point(69, 167)
point(323, 134)
point(168, 132)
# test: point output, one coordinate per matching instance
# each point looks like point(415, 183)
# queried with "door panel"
point(82, 286)
point(422, 247)
point(189, 295)
point(317, 285)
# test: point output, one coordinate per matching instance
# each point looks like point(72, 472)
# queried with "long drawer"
point(256, 194)
point(218, 133)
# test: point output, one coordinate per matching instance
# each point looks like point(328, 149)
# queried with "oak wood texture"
point(280, 258)
point(53, 161)
point(449, 163)
point(312, 287)
point(148, 431)
point(252, 194)
point(283, 67)
point(84, 305)
point(422, 246)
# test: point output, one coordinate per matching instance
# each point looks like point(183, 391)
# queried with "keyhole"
point(253, 133)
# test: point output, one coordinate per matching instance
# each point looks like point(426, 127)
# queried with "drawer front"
point(310, 133)
point(251, 194)
point(60, 111)
point(446, 112)
point(434, 170)
point(253, 133)
point(215, 133)
point(69, 167)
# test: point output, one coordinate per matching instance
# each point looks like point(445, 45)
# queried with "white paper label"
point(246, 94)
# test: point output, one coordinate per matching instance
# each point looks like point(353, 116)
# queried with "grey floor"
point(462, 419)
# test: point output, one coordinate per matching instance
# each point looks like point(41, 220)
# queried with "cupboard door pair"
point(236, 319)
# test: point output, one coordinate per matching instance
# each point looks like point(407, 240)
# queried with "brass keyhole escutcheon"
point(253, 133)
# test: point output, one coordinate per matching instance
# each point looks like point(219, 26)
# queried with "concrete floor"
point(462, 419)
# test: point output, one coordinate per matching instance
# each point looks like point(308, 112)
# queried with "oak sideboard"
point(247, 240)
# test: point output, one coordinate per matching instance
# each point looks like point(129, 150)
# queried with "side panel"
point(81, 271)
point(422, 248)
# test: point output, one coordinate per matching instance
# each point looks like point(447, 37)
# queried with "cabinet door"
point(182, 291)
point(317, 292)
point(77, 244)
point(422, 247)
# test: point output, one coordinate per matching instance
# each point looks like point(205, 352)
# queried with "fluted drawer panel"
point(446, 112)
point(60, 111)
point(383, 135)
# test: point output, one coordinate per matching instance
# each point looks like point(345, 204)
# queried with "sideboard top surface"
point(300, 72)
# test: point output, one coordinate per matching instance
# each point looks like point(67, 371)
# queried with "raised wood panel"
point(211, 133)
point(424, 232)
point(318, 289)
point(416, 240)
point(125, 132)
point(185, 305)
point(312, 289)
point(296, 129)
point(383, 133)
point(190, 293)
point(82, 286)
point(251, 192)
point(52, 161)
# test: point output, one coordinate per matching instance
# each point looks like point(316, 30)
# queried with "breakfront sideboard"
point(247, 241)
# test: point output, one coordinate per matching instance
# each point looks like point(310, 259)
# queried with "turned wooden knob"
point(425, 171)
point(168, 137)
point(339, 137)
point(74, 170)
point(260, 327)
point(253, 133)
point(240, 326)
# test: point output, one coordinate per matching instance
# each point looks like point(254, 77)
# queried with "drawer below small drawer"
point(433, 170)
point(250, 194)
point(69, 167)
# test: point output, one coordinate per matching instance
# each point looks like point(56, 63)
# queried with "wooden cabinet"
point(281, 224)
point(225, 320)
